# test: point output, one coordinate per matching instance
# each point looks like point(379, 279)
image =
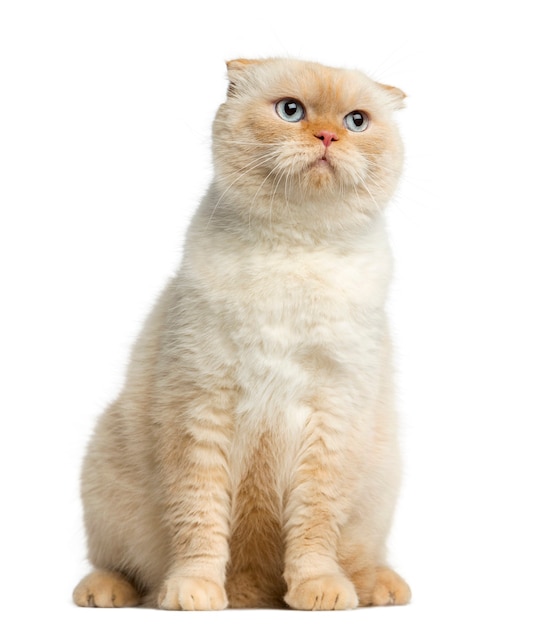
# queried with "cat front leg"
point(317, 506)
point(197, 502)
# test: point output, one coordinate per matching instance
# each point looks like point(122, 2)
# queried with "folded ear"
point(241, 64)
point(237, 69)
point(394, 96)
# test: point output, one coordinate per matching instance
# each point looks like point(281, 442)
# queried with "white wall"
point(105, 113)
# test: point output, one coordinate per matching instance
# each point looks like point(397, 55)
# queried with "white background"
point(105, 112)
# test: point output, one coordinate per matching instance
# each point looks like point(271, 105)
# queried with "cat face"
point(298, 132)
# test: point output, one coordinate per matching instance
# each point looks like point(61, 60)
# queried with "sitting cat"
point(251, 458)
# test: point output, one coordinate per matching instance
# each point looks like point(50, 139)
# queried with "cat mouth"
point(321, 172)
point(323, 162)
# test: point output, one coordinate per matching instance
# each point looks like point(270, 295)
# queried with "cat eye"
point(290, 110)
point(356, 121)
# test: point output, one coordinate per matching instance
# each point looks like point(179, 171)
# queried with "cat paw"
point(390, 588)
point(192, 594)
point(106, 590)
point(325, 593)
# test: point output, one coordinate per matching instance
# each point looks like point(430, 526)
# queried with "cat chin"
point(326, 176)
point(319, 173)
point(321, 177)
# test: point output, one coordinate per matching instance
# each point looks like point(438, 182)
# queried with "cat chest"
point(280, 325)
point(294, 277)
point(295, 320)
point(293, 300)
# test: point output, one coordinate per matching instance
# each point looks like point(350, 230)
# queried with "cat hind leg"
point(105, 589)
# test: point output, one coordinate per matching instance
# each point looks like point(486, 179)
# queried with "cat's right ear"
point(237, 69)
point(394, 96)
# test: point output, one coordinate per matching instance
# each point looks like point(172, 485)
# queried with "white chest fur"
point(293, 316)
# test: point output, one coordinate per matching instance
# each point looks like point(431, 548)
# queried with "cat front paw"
point(390, 588)
point(325, 593)
point(180, 593)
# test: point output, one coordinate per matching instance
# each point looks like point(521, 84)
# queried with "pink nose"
point(326, 136)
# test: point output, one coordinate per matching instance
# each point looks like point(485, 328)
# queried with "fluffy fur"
point(251, 458)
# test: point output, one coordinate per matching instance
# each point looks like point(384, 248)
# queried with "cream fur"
point(252, 454)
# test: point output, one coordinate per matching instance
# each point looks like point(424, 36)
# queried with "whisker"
point(241, 142)
point(271, 172)
point(277, 181)
point(256, 163)
point(366, 187)
point(266, 156)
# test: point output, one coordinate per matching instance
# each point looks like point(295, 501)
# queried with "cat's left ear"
point(237, 69)
point(394, 95)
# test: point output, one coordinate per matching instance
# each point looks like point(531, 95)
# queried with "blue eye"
point(356, 121)
point(290, 110)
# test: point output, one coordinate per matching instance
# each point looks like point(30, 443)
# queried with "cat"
point(251, 459)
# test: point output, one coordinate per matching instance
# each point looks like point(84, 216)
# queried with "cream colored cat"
point(251, 459)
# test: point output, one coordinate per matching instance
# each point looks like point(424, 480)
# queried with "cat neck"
point(334, 222)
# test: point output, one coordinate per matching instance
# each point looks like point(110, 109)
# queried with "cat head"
point(293, 134)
